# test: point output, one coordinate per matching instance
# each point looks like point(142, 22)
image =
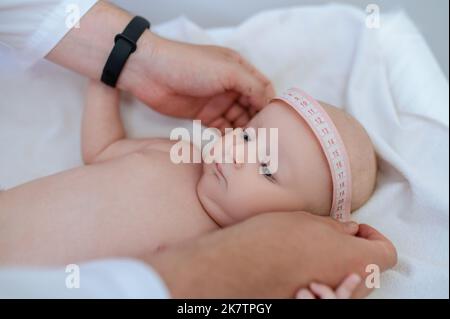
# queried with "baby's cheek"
point(243, 206)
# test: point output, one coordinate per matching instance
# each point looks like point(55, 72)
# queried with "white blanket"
point(387, 78)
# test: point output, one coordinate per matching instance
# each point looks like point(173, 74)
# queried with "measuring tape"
point(333, 147)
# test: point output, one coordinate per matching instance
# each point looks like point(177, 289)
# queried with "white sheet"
point(387, 78)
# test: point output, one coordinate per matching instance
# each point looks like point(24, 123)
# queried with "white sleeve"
point(31, 28)
point(114, 278)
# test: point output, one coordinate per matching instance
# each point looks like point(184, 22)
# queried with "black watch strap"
point(125, 44)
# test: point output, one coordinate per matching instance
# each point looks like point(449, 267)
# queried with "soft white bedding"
point(387, 78)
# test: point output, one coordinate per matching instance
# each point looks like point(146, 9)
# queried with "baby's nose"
point(235, 152)
point(239, 156)
point(239, 149)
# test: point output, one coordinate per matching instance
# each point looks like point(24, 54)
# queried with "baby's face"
point(232, 192)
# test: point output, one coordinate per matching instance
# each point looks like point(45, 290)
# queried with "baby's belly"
point(130, 206)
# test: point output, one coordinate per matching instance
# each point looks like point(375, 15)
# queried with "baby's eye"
point(266, 171)
point(245, 136)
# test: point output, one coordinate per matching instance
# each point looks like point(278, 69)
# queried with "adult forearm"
point(86, 49)
point(205, 82)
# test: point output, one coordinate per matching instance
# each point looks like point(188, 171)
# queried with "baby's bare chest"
point(127, 206)
point(152, 195)
point(151, 178)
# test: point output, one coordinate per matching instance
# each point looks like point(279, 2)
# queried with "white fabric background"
point(385, 77)
point(109, 278)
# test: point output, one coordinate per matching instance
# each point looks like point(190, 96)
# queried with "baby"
point(131, 199)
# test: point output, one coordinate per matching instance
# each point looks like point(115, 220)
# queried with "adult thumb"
point(350, 227)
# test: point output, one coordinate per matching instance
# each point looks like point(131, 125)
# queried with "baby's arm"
point(103, 136)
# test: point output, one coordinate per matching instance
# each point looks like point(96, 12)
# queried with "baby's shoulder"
point(159, 144)
point(178, 150)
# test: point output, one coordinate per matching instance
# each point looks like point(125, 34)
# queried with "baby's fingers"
point(322, 291)
point(304, 294)
point(348, 286)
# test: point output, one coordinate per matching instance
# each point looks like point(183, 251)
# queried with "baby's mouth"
point(219, 172)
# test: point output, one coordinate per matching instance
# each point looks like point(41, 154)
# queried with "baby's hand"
point(320, 291)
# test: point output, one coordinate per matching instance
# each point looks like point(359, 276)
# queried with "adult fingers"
point(221, 123)
point(259, 75)
point(269, 91)
point(350, 227)
point(216, 107)
point(242, 120)
point(236, 57)
point(243, 100)
point(234, 112)
point(241, 80)
point(367, 232)
point(383, 250)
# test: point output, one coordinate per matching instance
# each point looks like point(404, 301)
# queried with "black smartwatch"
point(125, 44)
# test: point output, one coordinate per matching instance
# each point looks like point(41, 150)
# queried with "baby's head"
point(303, 181)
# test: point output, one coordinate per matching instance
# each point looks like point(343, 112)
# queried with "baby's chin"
point(206, 186)
point(207, 170)
point(210, 193)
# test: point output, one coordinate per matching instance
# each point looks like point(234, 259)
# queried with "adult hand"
point(272, 255)
point(210, 83)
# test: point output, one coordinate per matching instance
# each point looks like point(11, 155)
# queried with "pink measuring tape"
point(333, 147)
